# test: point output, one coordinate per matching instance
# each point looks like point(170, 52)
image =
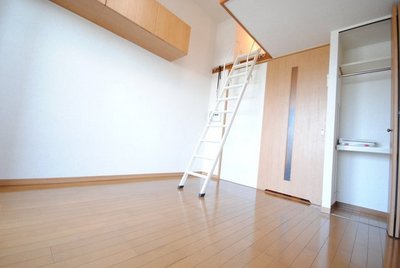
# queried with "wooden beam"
point(261, 59)
point(264, 58)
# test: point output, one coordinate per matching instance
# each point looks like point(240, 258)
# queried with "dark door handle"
point(389, 130)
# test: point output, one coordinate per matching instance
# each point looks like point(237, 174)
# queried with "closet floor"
point(353, 214)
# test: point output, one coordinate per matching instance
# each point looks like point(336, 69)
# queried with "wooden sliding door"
point(292, 149)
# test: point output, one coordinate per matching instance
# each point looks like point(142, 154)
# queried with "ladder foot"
point(180, 187)
point(202, 195)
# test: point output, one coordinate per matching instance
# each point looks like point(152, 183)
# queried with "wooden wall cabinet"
point(142, 12)
point(171, 29)
point(144, 22)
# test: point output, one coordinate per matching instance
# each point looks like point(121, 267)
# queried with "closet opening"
point(364, 121)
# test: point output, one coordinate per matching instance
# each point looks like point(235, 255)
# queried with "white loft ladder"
point(236, 81)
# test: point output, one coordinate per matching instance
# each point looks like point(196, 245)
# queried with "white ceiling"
point(214, 9)
point(286, 26)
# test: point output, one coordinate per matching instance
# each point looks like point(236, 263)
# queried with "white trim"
point(326, 210)
point(363, 23)
point(330, 141)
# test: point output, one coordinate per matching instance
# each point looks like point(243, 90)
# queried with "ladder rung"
point(197, 175)
point(233, 86)
point(241, 65)
point(249, 55)
point(203, 157)
point(237, 75)
point(223, 126)
point(228, 98)
point(222, 112)
point(210, 141)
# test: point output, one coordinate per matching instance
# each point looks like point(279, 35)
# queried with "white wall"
point(241, 154)
point(363, 179)
point(77, 100)
point(368, 52)
point(365, 107)
point(242, 149)
point(225, 42)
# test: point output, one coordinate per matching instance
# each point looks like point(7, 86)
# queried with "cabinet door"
point(171, 29)
point(292, 150)
point(141, 12)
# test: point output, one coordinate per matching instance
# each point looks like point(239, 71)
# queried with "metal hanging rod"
point(367, 72)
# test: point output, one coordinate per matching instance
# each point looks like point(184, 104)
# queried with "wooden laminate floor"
point(151, 224)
